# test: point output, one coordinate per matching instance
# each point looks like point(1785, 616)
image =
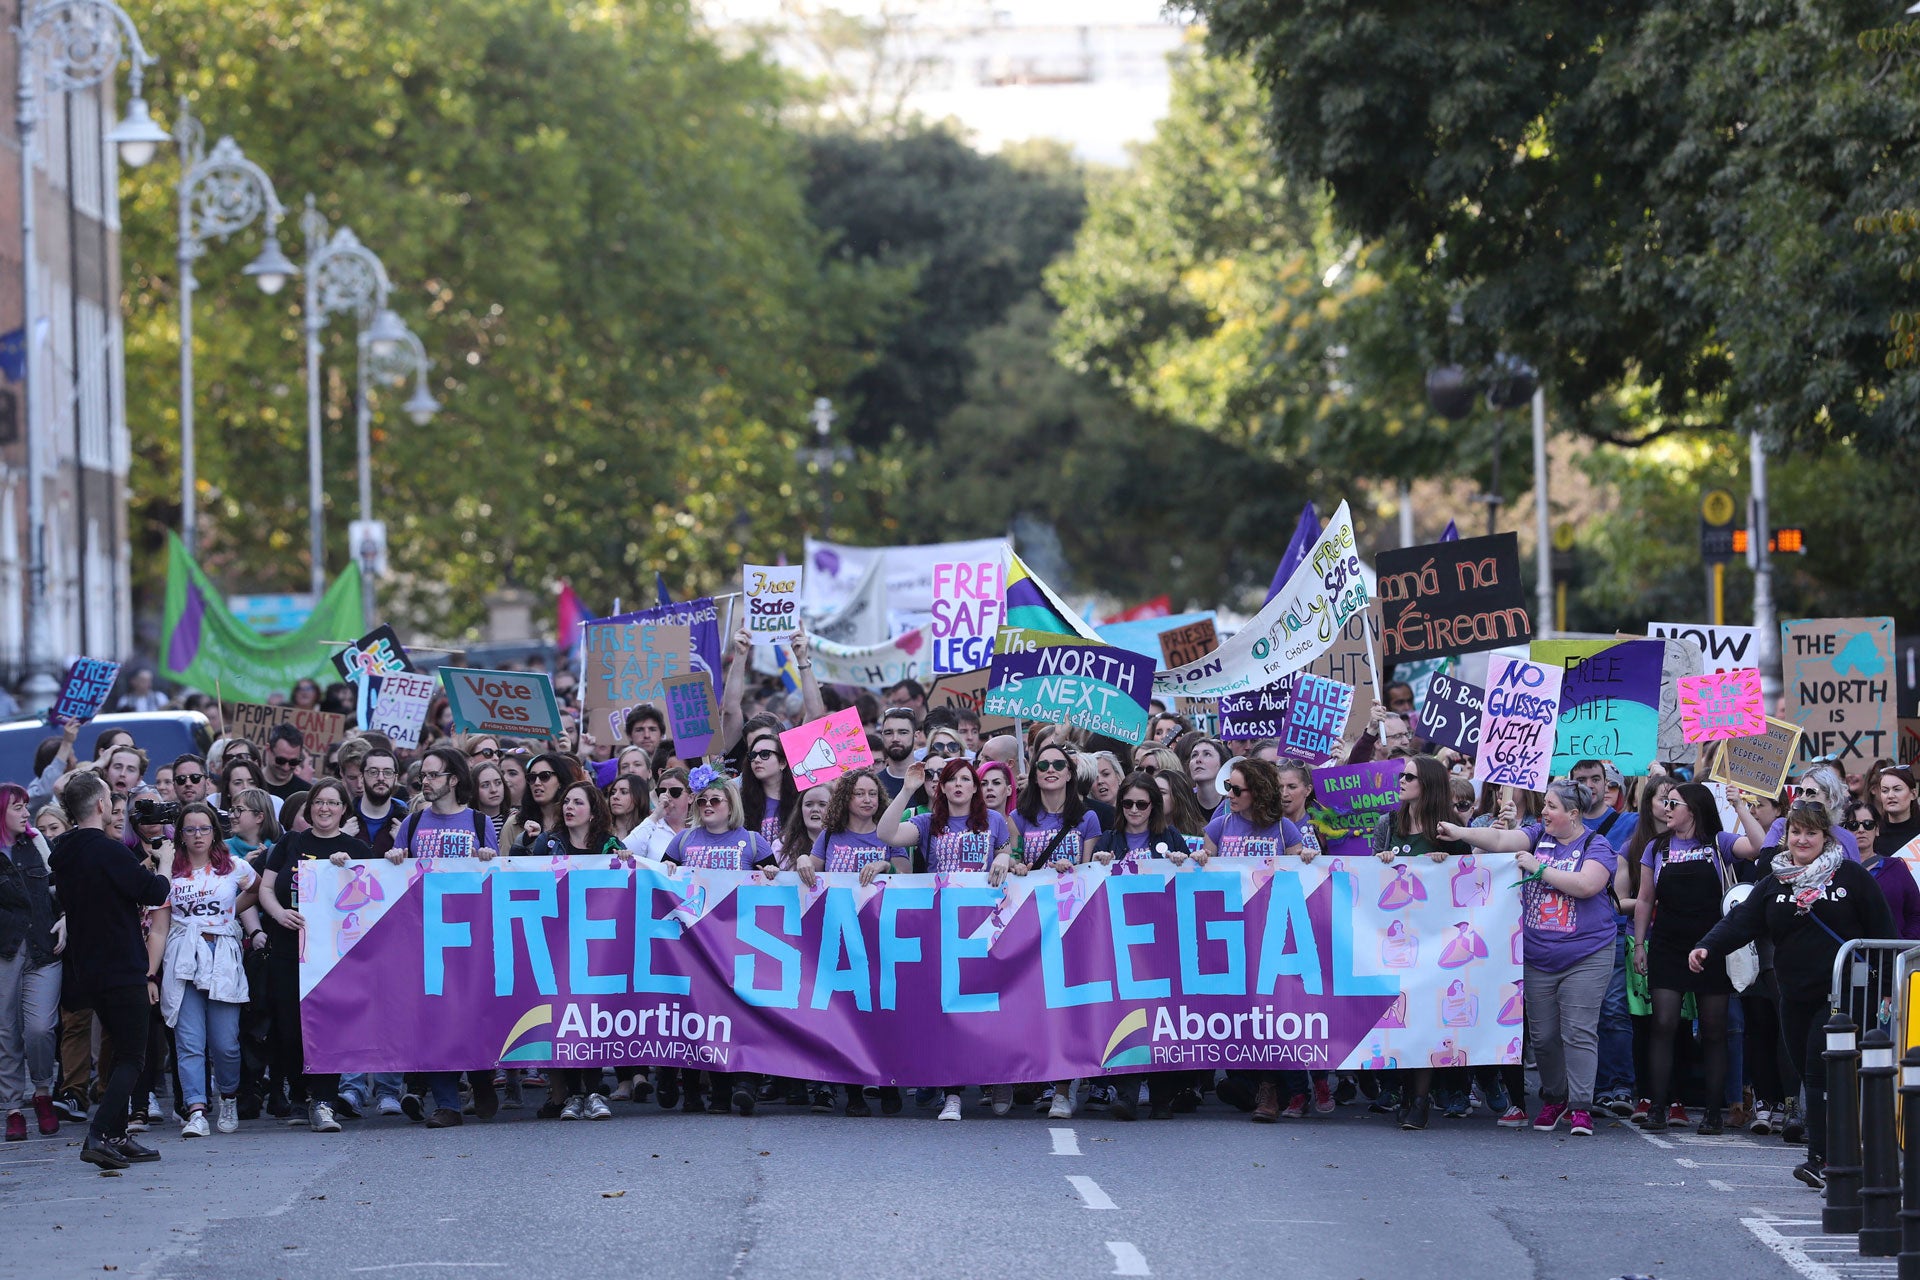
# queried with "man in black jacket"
point(105, 891)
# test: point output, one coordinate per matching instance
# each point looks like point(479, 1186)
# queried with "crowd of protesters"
point(150, 929)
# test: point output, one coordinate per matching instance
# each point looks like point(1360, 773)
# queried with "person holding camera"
point(105, 894)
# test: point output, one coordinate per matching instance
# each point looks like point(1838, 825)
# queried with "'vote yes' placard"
point(511, 704)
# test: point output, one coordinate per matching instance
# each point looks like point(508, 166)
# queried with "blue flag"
point(13, 354)
point(660, 591)
point(1305, 534)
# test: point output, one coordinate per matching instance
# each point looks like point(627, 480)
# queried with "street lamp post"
point(342, 275)
point(389, 352)
point(219, 194)
point(76, 44)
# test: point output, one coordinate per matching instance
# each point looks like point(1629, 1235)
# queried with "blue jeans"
point(1614, 1079)
point(207, 1027)
point(369, 1087)
point(445, 1088)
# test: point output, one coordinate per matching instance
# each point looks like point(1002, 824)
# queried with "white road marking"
point(1090, 1192)
point(1662, 1143)
point(1127, 1260)
point(1788, 1249)
point(1065, 1142)
point(404, 1266)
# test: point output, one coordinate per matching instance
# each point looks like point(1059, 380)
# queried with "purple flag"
point(1452, 534)
point(1305, 534)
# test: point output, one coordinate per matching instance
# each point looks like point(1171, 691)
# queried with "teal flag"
point(202, 644)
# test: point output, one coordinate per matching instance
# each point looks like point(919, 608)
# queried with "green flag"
point(202, 644)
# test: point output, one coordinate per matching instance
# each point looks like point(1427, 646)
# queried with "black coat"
point(106, 890)
point(1805, 942)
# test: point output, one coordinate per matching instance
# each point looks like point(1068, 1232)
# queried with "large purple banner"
point(914, 980)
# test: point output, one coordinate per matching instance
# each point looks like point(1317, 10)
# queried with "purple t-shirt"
point(770, 823)
point(850, 850)
point(1562, 930)
point(958, 849)
point(1234, 837)
point(736, 850)
point(1037, 833)
point(446, 835)
point(1777, 838)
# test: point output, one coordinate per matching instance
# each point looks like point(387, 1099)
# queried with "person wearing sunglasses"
point(1052, 823)
point(1891, 872)
point(767, 788)
point(548, 774)
point(191, 781)
point(1691, 867)
point(478, 747)
point(672, 807)
point(1254, 825)
point(1810, 901)
point(721, 841)
point(195, 945)
point(1821, 782)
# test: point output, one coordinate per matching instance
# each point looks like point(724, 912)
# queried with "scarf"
point(1808, 883)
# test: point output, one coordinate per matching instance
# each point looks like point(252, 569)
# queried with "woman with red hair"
point(197, 944)
point(31, 938)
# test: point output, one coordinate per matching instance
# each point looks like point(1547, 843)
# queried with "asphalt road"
point(790, 1194)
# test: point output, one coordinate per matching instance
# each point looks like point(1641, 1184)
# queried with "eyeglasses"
point(673, 793)
point(1051, 766)
point(1136, 804)
point(196, 831)
point(432, 777)
point(378, 773)
point(189, 778)
point(543, 775)
point(944, 749)
point(764, 753)
point(1234, 789)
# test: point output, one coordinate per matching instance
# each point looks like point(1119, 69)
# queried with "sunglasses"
point(543, 775)
point(189, 778)
point(1051, 766)
point(1463, 806)
point(765, 753)
point(1669, 802)
point(1868, 825)
point(487, 753)
point(673, 793)
point(1136, 804)
point(1234, 789)
point(1409, 777)
point(709, 800)
point(944, 749)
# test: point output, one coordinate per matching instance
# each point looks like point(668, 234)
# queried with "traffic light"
point(1781, 542)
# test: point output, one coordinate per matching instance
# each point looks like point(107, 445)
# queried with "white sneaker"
point(950, 1109)
point(1002, 1099)
point(597, 1108)
point(320, 1118)
point(388, 1105)
point(229, 1121)
point(1062, 1108)
point(196, 1126)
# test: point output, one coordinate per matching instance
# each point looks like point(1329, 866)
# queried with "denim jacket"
point(27, 909)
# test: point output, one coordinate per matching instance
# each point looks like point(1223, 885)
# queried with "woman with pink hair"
point(32, 935)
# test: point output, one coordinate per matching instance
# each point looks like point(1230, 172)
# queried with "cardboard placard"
point(1184, 646)
point(84, 691)
point(1316, 717)
point(1349, 660)
point(506, 704)
point(1839, 685)
point(1682, 660)
point(1721, 648)
point(693, 717)
point(319, 730)
point(969, 604)
point(1451, 713)
point(821, 750)
point(1517, 728)
point(1758, 765)
point(1452, 597)
point(1246, 717)
point(1609, 701)
point(625, 666)
point(400, 707)
point(1723, 704)
point(967, 689)
point(772, 596)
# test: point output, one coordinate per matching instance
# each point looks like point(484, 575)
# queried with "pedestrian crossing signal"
point(1781, 542)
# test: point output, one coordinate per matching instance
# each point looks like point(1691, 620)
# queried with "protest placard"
point(1257, 714)
point(969, 603)
point(1758, 765)
point(1839, 685)
point(821, 750)
point(1721, 648)
point(1909, 741)
point(1185, 645)
point(772, 595)
point(1723, 704)
point(1043, 675)
point(1452, 597)
point(1450, 716)
point(967, 689)
point(1681, 661)
point(1609, 701)
point(625, 666)
point(377, 653)
point(693, 717)
point(1349, 660)
point(1517, 727)
point(1349, 802)
point(84, 691)
point(400, 707)
point(507, 704)
point(319, 730)
point(1316, 717)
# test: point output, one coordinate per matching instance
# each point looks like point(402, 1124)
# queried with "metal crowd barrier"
point(1872, 1023)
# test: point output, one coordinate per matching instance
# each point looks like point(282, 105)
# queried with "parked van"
point(163, 735)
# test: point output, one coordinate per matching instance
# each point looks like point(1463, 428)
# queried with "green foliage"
point(1652, 201)
point(594, 220)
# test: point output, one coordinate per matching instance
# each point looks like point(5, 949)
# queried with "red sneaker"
point(1322, 1096)
point(1296, 1108)
point(1677, 1114)
point(1640, 1110)
point(16, 1127)
point(49, 1119)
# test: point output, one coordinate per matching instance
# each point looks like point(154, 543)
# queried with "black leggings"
point(291, 1048)
point(1713, 1046)
point(1804, 1023)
